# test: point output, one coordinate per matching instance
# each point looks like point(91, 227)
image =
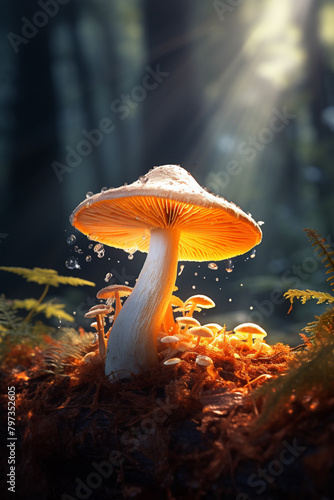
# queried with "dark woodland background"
point(227, 68)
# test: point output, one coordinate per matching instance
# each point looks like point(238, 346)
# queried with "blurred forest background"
point(238, 92)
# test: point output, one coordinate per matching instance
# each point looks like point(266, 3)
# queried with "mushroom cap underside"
point(210, 227)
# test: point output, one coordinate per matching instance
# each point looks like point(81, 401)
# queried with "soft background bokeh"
point(243, 98)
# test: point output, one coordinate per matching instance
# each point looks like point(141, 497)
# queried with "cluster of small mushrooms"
point(182, 333)
point(167, 214)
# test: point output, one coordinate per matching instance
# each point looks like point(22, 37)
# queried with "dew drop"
point(195, 274)
point(251, 308)
point(88, 258)
point(100, 254)
point(72, 263)
point(98, 247)
point(229, 266)
point(90, 246)
point(143, 179)
point(126, 282)
point(193, 287)
point(230, 300)
point(217, 279)
point(108, 276)
point(71, 239)
point(181, 270)
point(252, 255)
point(213, 266)
point(89, 194)
point(76, 248)
point(130, 256)
point(241, 284)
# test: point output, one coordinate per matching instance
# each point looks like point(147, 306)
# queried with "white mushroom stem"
point(132, 344)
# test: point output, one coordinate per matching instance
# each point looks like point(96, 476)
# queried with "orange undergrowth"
point(81, 414)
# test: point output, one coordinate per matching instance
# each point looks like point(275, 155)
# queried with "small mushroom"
point(171, 340)
point(115, 292)
point(203, 360)
point(249, 331)
point(172, 361)
point(201, 301)
point(201, 332)
point(186, 322)
point(99, 312)
point(173, 218)
point(169, 325)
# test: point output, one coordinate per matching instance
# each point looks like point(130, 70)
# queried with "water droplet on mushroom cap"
point(89, 194)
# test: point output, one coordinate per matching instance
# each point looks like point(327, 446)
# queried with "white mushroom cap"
point(201, 331)
point(168, 196)
point(172, 361)
point(187, 321)
point(204, 360)
point(169, 339)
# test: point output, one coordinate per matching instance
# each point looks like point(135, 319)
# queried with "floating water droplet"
point(118, 262)
point(90, 246)
point(100, 254)
point(72, 263)
point(260, 223)
point(252, 255)
point(213, 266)
point(98, 247)
point(80, 251)
point(126, 282)
point(108, 276)
point(195, 274)
point(71, 239)
point(88, 258)
point(229, 266)
point(230, 300)
point(217, 279)
point(193, 287)
point(74, 313)
point(130, 256)
point(241, 284)
point(76, 248)
point(251, 308)
point(181, 270)
point(89, 194)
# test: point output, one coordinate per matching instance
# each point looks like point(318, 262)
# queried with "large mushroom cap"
point(168, 197)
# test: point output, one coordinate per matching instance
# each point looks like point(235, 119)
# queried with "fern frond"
point(72, 345)
point(46, 276)
point(49, 309)
point(305, 295)
point(9, 320)
point(325, 251)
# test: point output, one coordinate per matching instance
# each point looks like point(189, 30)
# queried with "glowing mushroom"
point(169, 215)
point(115, 292)
point(98, 312)
point(201, 301)
point(201, 332)
point(249, 331)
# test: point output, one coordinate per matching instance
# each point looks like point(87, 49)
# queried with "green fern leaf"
point(49, 309)
point(46, 276)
